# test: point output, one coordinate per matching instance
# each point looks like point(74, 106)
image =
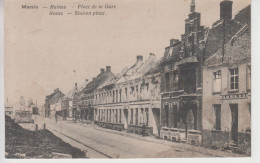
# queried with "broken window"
point(217, 81)
point(136, 90)
point(116, 115)
point(116, 95)
point(136, 116)
point(113, 96)
point(132, 90)
point(126, 93)
point(132, 116)
point(120, 114)
point(166, 107)
point(120, 95)
point(167, 81)
point(175, 80)
point(147, 116)
point(142, 120)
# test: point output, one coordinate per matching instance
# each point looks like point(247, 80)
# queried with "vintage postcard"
point(127, 78)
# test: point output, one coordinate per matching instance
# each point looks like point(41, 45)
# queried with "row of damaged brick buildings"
point(199, 92)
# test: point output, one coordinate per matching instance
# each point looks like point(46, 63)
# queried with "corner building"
point(227, 89)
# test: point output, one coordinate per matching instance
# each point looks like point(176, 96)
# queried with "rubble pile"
point(23, 143)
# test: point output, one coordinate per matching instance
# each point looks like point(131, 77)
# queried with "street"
point(105, 143)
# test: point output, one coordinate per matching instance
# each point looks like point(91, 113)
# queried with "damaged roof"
point(74, 90)
point(55, 96)
point(139, 69)
point(149, 64)
point(236, 51)
point(214, 40)
point(99, 80)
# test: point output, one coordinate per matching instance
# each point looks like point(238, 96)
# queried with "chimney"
point(86, 80)
point(139, 58)
point(102, 71)
point(226, 10)
point(151, 54)
point(192, 6)
point(108, 68)
point(76, 85)
point(173, 41)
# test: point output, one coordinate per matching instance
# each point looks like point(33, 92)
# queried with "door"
point(234, 122)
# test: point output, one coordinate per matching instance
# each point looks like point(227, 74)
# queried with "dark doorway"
point(175, 116)
point(194, 111)
point(234, 122)
point(156, 114)
point(166, 107)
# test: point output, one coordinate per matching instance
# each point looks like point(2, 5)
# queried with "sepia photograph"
point(126, 79)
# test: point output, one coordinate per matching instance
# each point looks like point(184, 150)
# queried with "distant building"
point(131, 100)
point(53, 103)
point(83, 102)
point(67, 100)
point(227, 87)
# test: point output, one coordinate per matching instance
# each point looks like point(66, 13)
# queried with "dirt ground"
point(23, 143)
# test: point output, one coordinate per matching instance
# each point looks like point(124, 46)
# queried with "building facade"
point(181, 83)
point(227, 93)
point(182, 73)
point(67, 100)
point(83, 101)
point(131, 100)
point(53, 103)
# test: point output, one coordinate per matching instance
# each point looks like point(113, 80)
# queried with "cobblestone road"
point(105, 143)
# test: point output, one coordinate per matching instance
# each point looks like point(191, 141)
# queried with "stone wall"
point(139, 130)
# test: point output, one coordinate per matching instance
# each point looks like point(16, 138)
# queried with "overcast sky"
point(45, 52)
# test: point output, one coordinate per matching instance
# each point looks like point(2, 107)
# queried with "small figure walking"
point(56, 117)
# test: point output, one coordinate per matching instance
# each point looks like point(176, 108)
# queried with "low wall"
point(139, 129)
point(194, 137)
point(108, 125)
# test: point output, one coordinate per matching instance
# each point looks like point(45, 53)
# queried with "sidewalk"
point(181, 146)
